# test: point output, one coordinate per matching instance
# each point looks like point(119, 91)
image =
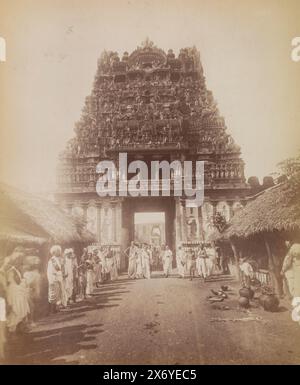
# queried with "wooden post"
point(275, 276)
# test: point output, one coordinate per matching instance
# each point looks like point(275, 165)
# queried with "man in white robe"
point(181, 261)
point(202, 263)
point(55, 278)
point(146, 262)
point(211, 262)
point(132, 261)
point(167, 261)
point(69, 272)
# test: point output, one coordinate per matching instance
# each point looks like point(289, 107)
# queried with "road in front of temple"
point(160, 321)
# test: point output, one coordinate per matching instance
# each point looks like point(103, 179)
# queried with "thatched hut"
point(33, 221)
point(36, 223)
point(260, 230)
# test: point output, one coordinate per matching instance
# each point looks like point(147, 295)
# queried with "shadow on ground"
point(46, 345)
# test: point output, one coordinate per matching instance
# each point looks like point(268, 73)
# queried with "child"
point(247, 272)
point(192, 264)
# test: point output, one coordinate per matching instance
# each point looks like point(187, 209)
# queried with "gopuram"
point(151, 105)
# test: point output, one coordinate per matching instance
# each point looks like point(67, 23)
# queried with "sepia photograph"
point(150, 184)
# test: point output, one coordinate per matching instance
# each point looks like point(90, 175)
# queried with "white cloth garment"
point(139, 264)
point(146, 264)
point(181, 262)
point(167, 262)
point(69, 280)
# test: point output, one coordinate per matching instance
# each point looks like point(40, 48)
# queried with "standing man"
point(89, 275)
point(181, 261)
point(167, 261)
point(247, 272)
point(191, 263)
point(82, 278)
point(69, 271)
point(211, 262)
point(55, 277)
point(146, 262)
point(139, 262)
point(202, 267)
point(132, 261)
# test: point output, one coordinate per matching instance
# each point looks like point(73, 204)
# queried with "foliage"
point(291, 169)
point(220, 222)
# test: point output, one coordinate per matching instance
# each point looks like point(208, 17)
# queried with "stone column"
point(114, 222)
point(183, 222)
point(69, 207)
point(200, 222)
point(178, 224)
point(230, 204)
point(119, 222)
point(214, 204)
point(84, 206)
point(98, 207)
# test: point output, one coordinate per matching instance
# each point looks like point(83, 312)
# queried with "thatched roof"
point(29, 216)
point(15, 235)
point(272, 210)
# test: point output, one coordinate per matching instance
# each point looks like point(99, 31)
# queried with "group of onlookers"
point(140, 259)
point(202, 261)
point(144, 258)
point(72, 279)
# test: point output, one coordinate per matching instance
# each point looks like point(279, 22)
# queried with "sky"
point(51, 60)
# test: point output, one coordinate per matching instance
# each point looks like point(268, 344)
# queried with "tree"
point(291, 169)
point(254, 183)
point(220, 222)
point(268, 182)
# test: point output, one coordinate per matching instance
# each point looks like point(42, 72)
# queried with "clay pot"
point(269, 302)
point(246, 292)
point(244, 302)
point(261, 299)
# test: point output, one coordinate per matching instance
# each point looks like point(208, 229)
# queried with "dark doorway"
point(164, 205)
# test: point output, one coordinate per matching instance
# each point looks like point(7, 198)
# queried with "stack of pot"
point(246, 294)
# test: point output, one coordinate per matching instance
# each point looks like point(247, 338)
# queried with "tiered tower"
point(151, 105)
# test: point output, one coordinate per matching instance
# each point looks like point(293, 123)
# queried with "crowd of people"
point(202, 261)
point(72, 279)
point(143, 258)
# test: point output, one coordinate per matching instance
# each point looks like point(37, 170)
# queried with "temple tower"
point(150, 105)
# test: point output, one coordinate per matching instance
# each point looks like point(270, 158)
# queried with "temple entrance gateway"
point(153, 106)
point(149, 227)
point(146, 219)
